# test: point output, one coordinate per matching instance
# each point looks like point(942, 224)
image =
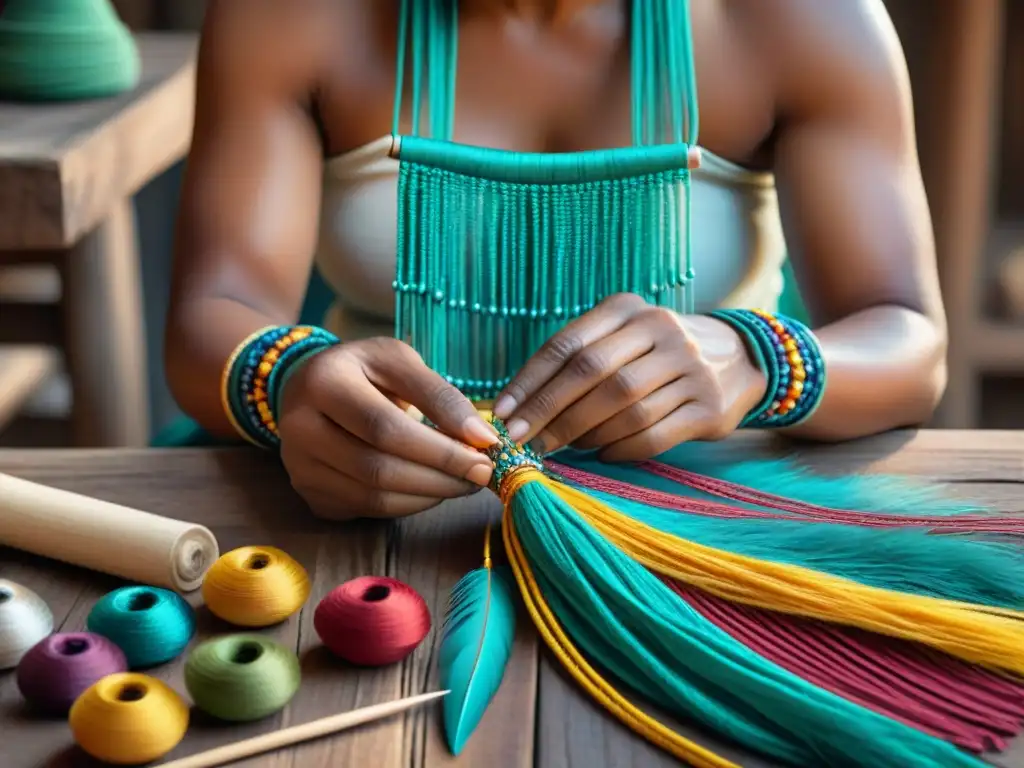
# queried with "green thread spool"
point(63, 50)
point(244, 677)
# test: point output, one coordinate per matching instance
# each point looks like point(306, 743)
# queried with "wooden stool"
point(67, 176)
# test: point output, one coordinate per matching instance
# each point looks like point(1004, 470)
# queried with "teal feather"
point(476, 644)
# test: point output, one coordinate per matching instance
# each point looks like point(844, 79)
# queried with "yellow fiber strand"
point(571, 659)
point(975, 633)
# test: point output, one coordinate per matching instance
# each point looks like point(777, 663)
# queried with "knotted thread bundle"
point(788, 659)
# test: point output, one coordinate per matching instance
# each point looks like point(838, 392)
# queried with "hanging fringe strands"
point(788, 659)
point(496, 250)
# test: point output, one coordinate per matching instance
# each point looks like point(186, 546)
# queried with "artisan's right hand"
point(352, 449)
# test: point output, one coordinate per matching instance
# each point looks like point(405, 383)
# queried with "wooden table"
point(538, 718)
point(68, 173)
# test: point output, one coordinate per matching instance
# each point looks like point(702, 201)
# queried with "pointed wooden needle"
point(229, 753)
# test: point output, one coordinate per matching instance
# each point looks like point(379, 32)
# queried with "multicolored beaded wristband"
point(790, 355)
point(255, 374)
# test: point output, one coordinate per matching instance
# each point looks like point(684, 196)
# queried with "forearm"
point(200, 337)
point(886, 369)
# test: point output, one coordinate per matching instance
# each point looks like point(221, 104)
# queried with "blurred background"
point(93, 245)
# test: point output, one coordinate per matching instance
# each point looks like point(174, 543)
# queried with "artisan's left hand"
point(634, 380)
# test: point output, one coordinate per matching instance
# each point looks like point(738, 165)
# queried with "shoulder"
point(841, 59)
point(277, 44)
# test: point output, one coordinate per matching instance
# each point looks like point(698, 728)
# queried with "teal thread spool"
point(151, 626)
point(61, 50)
point(242, 677)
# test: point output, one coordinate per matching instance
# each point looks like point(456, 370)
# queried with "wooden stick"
point(297, 733)
point(693, 157)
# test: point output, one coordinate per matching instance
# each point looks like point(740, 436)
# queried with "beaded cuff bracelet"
point(255, 374)
point(790, 356)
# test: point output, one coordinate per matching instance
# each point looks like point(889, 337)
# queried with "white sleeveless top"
point(737, 240)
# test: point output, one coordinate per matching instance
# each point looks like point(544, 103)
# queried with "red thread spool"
point(372, 621)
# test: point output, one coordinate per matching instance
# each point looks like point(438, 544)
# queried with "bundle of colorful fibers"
point(814, 631)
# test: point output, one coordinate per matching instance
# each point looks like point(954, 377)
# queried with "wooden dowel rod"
point(298, 733)
point(693, 157)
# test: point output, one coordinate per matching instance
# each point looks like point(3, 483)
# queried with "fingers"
point(687, 422)
point(403, 373)
point(621, 398)
point(368, 415)
point(376, 469)
point(643, 414)
point(588, 370)
point(603, 320)
point(338, 497)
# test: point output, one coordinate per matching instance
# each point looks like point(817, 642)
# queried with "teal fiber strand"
point(476, 644)
point(628, 619)
point(906, 560)
point(60, 50)
point(150, 625)
point(244, 677)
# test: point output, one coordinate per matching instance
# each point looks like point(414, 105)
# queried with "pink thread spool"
point(372, 621)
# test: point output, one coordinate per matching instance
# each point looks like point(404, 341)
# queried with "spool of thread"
point(55, 50)
point(255, 586)
point(372, 621)
point(150, 625)
point(128, 719)
point(242, 677)
point(59, 668)
point(24, 620)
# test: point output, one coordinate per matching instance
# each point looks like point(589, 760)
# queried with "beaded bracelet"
point(790, 355)
point(255, 374)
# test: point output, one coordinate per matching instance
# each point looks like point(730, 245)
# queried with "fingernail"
point(480, 475)
point(537, 445)
point(481, 433)
point(504, 406)
point(517, 429)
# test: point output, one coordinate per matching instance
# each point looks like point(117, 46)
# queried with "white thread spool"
point(24, 620)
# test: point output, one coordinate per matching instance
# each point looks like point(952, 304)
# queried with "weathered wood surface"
point(63, 166)
point(538, 719)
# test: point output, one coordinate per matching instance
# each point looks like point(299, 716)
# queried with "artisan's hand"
point(633, 380)
point(352, 449)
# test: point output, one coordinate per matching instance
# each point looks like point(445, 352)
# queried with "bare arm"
point(856, 218)
point(248, 219)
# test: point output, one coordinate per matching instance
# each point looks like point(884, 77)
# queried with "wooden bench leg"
point(105, 335)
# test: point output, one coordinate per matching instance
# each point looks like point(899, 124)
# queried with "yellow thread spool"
point(255, 586)
point(128, 719)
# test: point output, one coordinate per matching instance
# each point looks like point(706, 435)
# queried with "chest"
point(524, 85)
